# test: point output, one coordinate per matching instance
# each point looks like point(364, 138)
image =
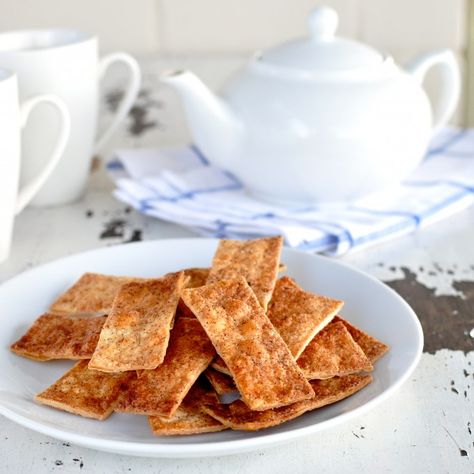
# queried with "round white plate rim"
point(223, 447)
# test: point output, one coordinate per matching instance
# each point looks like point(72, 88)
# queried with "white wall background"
point(401, 28)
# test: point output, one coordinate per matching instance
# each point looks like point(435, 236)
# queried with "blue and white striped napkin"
point(180, 186)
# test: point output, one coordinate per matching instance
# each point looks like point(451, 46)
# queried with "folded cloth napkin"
point(179, 185)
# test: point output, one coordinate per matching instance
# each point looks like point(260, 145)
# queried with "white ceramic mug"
point(13, 117)
point(64, 63)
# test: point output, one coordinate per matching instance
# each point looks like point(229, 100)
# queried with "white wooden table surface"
point(428, 426)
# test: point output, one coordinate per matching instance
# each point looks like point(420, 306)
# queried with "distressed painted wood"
point(428, 426)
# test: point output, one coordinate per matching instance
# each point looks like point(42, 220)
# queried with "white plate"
point(369, 304)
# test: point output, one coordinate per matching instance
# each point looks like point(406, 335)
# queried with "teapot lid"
point(322, 51)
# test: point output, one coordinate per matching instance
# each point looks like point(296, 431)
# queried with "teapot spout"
point(214, 126)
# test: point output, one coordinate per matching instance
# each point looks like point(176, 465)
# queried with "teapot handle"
point(450, 81)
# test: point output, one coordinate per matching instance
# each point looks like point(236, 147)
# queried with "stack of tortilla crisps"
point(170, 347)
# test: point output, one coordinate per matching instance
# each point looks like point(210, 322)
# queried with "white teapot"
point(320, 119)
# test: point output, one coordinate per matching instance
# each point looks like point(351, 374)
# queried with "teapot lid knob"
point(322, 23)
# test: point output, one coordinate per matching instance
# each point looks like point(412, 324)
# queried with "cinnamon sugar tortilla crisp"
point(255, 260)
point(299, 315)
point(92, 293)
point(198, 276)
point(261, 364)
point(332, 353)
point(372, 348)
point(85, 392)
point(221, 383)
point(189, 418)
point(219, 365)
point(55, 336)
point(238, 416)
point(161, 391)
point(195, 277)
point(136, 333)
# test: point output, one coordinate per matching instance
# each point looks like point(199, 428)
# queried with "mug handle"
point(450, 83)
point(28, 191)
point(130, 95)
